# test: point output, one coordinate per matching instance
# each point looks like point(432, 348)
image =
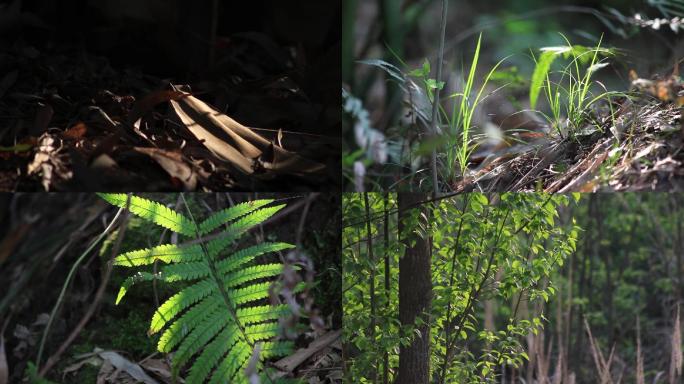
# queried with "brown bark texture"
point(415, 293)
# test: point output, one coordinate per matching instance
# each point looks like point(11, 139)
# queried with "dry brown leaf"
point(49, 163)
point(238, 144)
point(144, 105)
point(103, 161)
point(123, 364)
point(174, 165)
point(158, 366)
point(194, 120)
point(582, 183)
point(76, 132)
point(92, 360)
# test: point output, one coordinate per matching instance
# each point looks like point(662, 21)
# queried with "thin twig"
point(98, 295)
point(435, 104)
point(302, 219)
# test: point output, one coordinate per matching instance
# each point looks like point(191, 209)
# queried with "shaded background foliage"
point(626, 268)
point(408, 32)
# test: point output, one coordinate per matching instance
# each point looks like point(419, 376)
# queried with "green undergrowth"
point(563, 90)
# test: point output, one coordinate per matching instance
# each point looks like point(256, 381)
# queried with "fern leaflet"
point(215, 320)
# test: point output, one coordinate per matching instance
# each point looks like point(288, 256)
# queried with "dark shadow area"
point(90, 65)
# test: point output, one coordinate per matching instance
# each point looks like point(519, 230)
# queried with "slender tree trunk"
point(415, 293)
point(385, 363)
point(608, 288)
point(568, 318)
point(560, 363)
point(585, 282)
point(369, 237)
point(679, 245)
point(435, 103)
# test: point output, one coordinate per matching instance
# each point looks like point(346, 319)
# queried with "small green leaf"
point(541, 70)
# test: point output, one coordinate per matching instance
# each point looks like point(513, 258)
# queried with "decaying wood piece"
point(289, 363)
point(586, 167)
point(548, 156)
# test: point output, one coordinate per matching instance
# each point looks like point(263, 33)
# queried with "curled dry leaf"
point(196, 118)
point(237, 144)
point(144, 105)
point(160, 367)
point(76, 132)
point(123, 364)
point(49, 163)
point(174, 164)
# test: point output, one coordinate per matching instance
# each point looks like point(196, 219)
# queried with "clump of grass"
point(459, 144)
point(458, 141)
point(570, 97)
point(456, 144)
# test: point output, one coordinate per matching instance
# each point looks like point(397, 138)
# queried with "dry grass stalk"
point(542, 359)
point(676, 352)
point(571, 378)
point(558, 372)
point(532, 353)
point(602, 366)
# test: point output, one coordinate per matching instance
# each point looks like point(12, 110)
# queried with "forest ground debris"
point(639, 148)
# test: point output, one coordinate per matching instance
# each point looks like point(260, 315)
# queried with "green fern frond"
point(199, 337)
point(230, 366)
point(211, 355)
point(191, 270)
point(252, 273)
point(262, 331)
point(180, 301)
point(218, 219)
point(252, 315)
point(216, 321)
point(168, 253)
point(154, 212)
point(252, 293)
point(175, 332)
point(246, 255)
point(186, 271)
point(138, 277)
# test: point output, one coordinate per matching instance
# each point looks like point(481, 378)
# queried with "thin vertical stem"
point(387, 280)
point(435, 104)
point(371, 259)
point(70, 276)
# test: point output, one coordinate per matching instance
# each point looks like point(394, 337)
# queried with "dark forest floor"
point(69, 120)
